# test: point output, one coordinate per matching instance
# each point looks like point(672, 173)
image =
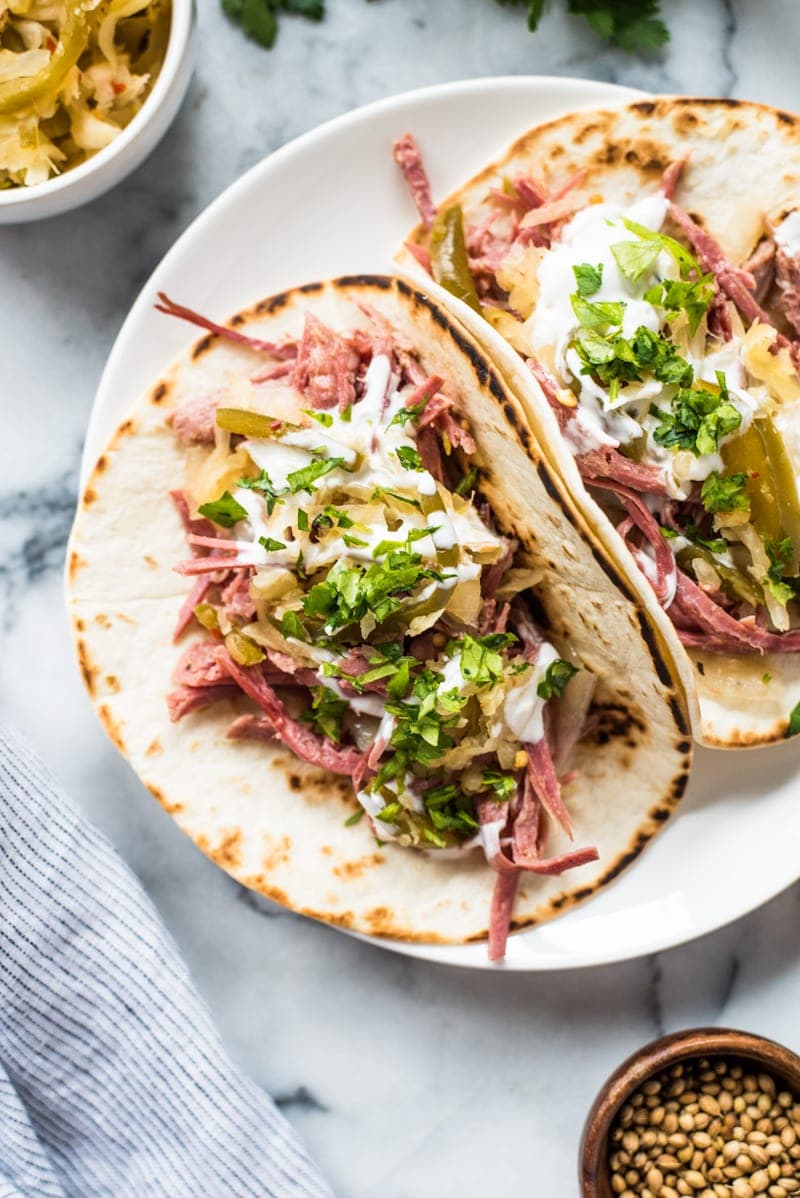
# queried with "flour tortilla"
point(276, 824)
point(743, 169)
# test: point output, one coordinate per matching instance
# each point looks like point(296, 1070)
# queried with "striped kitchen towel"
point(113, 1081)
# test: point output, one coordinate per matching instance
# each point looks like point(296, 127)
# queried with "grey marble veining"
point(406, 1079)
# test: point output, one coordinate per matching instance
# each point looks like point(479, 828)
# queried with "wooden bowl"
point(772, 1058)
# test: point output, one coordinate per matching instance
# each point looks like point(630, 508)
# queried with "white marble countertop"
point(405, 1079)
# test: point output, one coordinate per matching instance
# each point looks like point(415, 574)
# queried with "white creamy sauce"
point(523, 709)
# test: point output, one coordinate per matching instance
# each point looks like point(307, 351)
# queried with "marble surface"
point(405, 1079)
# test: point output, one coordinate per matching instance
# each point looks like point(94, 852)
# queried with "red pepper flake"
point(118, 88)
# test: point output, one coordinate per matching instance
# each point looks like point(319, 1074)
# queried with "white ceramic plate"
point(330, 203)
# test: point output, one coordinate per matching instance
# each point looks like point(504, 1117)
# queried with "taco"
point(643, 264)
point(350, 631)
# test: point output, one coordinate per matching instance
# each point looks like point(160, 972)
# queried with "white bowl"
point(110, 165)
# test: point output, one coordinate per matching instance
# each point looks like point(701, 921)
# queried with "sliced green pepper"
point(734, 582)
point(250, 424)
point(449, 259)
point(771, 488)
point(16, 94)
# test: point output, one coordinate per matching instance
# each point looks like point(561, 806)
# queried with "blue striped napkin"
point(113, 1080)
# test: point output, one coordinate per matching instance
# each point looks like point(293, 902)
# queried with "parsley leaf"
point(724, 494)
point(323, 418)
point(556, 677)
point(349, 592)
point(225, 511)
point(589, 278)
point(269, 543)
point(686, 261)
point(259, 18)
point(617, 360)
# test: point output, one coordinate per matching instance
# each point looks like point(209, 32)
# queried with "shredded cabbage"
point(72, 77)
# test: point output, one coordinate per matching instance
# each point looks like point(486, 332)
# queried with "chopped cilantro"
point(678, 295)
point(353, 542)
point(724, 494)
point(355, 818)
point(351, 591)
point(503, 785)
point(302, 520)
point(780, 556)
point(381, 491)
point(263, 484)
point(686, 261)
point(413, 412)
point(714, 544)
point(323, 418)
point(415, 534)
point(409, 458)
point(589, 278)
point(556, 677)
point(635, 258)
point(597, 316)
point(696, 420)
point(304, 479)
point(225, 511)
point(482, 662)
point(615, 360)
point(269, 543)
point(794, 722)
point(292, 625)
point(326, 712)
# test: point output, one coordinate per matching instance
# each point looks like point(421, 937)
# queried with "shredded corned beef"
point(170, 308)
point(642, 517)
point(186, 615)
point(761, 265)
point(718, 317)
point(736, 283)
point(697, 615)
point(408, 157)
point(550, 389)
point(787, 276)
point(199, 666)
point(608, 463)
point(542, 776)
point(298, 737)
point(325, 367)
point(251, 727)
point(500, 912)
point(194, 423)
point(185, 699)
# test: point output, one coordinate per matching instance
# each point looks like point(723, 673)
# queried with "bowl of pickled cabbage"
point(87, 88)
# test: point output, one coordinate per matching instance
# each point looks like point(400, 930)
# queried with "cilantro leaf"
point(467, 483)
point(503, 785)
point(597, 316)
point(263, 484)
point(323, 418)
point(615, 360)
point(686, 261)
point(780, 556)
point(696, 419)
point(326, 712)
point(292, 625)
point(677, 295)
point(269, 543)
point(481, 657)
point(556, 677)
point(304, 478)
point(225, 511)
point(794, 722)
point(633, 25)
point(724, 494)
point(635, 258)
point(409, 458)
point(589, 278)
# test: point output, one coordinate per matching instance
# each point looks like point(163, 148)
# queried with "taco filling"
point(349, 580)
point(672, 373)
